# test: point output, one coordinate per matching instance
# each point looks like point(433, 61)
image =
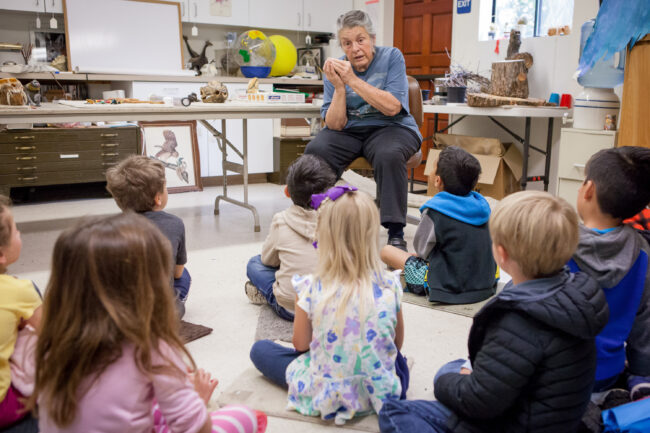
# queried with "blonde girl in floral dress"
point(348, 327)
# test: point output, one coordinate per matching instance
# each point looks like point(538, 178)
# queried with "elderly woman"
point(366, 114)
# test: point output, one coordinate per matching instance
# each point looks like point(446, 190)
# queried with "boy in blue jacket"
point(453, 261)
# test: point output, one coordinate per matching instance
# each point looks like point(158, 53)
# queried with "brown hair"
point(109, 287)
point(135, 181)
point(539, 231)
point(5, 220)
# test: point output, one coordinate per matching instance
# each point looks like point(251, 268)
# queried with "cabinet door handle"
point(298, 19)
point(52, 3)
point(196, 14)
point(110, 153)
point(108, 164)
point(109, 145)
point(25, 158)
point(108, 135)
point(308, 20)
point(26, 168)
point(25, 147)
point(579, 166)
point(182, 9)
point(27, 179)
point(24, 137)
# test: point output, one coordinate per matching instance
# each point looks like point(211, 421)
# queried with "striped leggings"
point(229, 419)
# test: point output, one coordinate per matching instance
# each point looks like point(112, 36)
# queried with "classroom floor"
point(218, 249)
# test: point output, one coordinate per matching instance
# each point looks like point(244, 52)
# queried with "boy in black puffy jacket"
point(532, 357)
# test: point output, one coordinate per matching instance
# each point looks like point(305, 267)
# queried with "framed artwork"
point(312, 56)
point(174, 144)
point(48, 45)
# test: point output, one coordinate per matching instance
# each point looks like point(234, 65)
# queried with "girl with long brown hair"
point(109, 352)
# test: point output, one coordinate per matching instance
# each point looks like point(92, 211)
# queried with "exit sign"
point(463, 6)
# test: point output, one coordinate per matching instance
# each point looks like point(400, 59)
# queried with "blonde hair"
point(135, 181)
point(348, 257)
point(539, 231)
point(109, 287)
point(5, 220)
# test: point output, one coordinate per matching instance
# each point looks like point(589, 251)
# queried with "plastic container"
point(255, 71)
point(456, 94)
point(604, 74)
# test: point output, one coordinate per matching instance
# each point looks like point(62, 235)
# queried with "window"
point(531, 17)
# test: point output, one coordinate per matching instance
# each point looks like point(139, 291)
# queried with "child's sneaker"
point(253, 294)
point(639, 391)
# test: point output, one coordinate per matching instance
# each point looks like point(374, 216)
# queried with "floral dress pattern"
point(350, 366)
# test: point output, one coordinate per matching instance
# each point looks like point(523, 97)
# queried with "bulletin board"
point(124, 37)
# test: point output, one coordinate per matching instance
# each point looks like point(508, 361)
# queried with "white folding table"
point(57, 113)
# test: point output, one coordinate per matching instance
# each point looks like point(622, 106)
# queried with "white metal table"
point(56, 113)
point(525, 112)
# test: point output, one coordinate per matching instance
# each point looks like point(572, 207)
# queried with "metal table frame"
point(56, 113)
point(526, 112)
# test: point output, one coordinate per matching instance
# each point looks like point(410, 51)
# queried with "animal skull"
point(215, 91)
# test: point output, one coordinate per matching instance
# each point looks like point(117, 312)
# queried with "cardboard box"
point(501, 164)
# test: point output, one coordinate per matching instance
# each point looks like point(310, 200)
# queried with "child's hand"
point(464, 370)
point(203, 384)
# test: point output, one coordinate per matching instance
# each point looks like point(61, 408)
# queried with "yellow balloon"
point(286, 56)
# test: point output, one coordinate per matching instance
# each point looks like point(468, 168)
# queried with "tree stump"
point(510, 78)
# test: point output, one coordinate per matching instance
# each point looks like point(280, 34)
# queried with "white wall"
point(555, 61)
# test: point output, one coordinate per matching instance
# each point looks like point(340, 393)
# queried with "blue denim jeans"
point(182, 285)
point(263, 277)
point(419, 416)
point(272, 360)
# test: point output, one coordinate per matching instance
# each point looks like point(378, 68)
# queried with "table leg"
point(526, 143)
point(549, 144)
point(233, 167)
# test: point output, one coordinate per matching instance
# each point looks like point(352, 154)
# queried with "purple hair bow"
point(332, 194)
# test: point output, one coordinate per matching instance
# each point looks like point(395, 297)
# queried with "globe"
point(255, 53)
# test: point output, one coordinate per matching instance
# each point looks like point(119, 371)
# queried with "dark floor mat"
point(190, 331)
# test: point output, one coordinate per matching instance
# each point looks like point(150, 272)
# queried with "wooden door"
point(422, 31)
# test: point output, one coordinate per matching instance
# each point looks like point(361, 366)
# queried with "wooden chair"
point(415, 107)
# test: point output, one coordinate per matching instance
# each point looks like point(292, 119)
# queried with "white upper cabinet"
point(231, 13)
point(275, 14)
point(53, 6)
point(321, 15)
point(184, 9)
point(24, 5)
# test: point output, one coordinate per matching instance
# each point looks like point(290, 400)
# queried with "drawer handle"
point(25, 147)
point(109, 145)
point(25, 158)
point(25, 137)
point(26, 168)
point(110, 153)
point(108, 164)
point(108, 135)
point(27, 179)
point(579, 166)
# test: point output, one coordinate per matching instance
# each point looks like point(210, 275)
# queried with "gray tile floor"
point(218, 249)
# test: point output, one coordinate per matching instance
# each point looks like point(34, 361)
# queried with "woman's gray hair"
point(355, 18)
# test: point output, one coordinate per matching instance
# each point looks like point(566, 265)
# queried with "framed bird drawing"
point(174, 145)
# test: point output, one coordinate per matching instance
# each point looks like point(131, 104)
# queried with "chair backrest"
point(415, 100)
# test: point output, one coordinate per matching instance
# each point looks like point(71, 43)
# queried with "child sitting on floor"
point(109, 357)
point(138, 184)
point(288, 249)
point(20, 307)
point(453, 261)
point(531, 348)
point(348, 327)
point(616, 187)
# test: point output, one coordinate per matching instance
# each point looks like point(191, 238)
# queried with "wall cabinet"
point(576, 147)
point(302, 15)
point(210, 12)
point(41, 6)
point(53, 6)
point(321, 16)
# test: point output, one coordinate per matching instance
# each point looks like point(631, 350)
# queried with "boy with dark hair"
point(138, 184)
point(617, 187)
point(288, 249)
point(453, 261)
point(532, 356)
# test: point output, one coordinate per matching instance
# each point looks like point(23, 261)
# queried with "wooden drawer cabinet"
point(285, 151)
point(49, 156)
point(576, 147)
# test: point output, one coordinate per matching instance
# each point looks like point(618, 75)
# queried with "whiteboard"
point(124, 37)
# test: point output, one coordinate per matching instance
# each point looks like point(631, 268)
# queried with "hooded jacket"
point(608, 258)
point(533, 358)
point(453, 237)
point(289, 247)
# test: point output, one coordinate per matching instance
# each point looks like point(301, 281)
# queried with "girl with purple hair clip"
point(348, 326)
